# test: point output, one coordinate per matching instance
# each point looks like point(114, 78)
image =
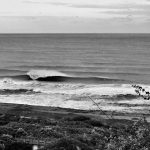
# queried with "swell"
point(70, 79)
point(77, 79)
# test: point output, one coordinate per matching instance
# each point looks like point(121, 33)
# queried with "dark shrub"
point(95, 123)
point(7, 130)
point(7, 139)
point(3, 122)
point(18, 146)
point(50, 133)
point(67, 144)
point(21, 132)
point(78, 118)
point(10, 117)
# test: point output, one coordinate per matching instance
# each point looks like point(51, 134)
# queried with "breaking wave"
point(56, 76)
point(36, 74)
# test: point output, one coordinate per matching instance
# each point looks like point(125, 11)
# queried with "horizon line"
point(78, 33)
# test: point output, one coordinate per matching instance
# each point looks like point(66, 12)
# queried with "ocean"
point(64, 70)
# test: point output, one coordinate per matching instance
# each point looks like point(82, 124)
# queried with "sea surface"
point(66, 70)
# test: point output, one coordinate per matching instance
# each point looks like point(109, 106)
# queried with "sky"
point(74, 16)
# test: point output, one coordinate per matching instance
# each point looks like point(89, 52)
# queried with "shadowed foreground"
point(22, 126)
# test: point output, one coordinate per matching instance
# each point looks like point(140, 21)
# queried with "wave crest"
point(35, 74)
point(56, 76)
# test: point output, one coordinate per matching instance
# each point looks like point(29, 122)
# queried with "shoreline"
point(52, 112)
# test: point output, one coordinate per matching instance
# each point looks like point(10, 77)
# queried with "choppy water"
point(64, 69)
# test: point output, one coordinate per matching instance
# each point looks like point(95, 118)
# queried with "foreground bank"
point(22, 126)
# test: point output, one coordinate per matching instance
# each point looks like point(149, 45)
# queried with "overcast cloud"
point(78, 15)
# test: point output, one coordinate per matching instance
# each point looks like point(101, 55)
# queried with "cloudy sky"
point(94, 16)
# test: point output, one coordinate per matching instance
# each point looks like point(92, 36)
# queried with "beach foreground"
point(54, 128)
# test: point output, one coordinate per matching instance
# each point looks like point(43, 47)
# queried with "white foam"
point(56, 100)
point(8, 83)
point(73, 96)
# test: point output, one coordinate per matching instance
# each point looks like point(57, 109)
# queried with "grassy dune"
point(68, 129)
